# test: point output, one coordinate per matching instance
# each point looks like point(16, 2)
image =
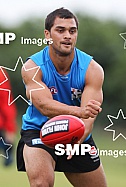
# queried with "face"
point(64, 36)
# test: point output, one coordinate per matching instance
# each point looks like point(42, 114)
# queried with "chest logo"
point(53, 90)
point(75, 93)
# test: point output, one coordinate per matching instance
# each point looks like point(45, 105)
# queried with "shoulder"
point(4, 80)
point(94, 67)
point(82, 54)
point(95, 73)
point(31, 68)
point(30, 71)
point(3, 74)
point(83, 58)
point(40, 57)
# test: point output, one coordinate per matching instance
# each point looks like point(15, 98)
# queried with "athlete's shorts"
point(77, 164)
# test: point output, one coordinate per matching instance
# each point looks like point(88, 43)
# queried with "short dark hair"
point(61, 13)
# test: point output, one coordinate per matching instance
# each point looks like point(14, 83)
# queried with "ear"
point(47, 34)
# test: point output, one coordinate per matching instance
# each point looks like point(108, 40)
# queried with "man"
point(60, 79)
point(7, 117)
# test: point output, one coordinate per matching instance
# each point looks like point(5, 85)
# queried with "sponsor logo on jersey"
point(93, 151)
point(36, 141)
point(53, 90)
point(75, 93)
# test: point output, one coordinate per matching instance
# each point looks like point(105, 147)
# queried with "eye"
point(72, 31)
point(60, 30)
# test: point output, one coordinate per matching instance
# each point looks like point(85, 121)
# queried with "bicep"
point(93, 84)
point(91, 93)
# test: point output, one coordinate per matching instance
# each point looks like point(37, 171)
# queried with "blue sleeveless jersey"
point(65, 89)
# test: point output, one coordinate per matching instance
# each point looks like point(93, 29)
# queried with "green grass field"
point(115, 168)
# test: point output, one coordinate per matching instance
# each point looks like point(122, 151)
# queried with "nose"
point(67, 35)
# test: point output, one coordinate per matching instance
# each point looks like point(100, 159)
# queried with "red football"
point(62, 129)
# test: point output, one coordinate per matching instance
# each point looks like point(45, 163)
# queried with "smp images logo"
point(76, 149)
point(7, 37)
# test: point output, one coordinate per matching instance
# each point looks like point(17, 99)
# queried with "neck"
point(61, 63)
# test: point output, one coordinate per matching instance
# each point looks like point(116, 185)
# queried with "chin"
point(62, 51)
point(65, 52)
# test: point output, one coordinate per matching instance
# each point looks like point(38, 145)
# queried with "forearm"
point(88, 127)
point(52, 108)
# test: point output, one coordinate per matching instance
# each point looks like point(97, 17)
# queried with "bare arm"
point(43, 101)
point(92, 91)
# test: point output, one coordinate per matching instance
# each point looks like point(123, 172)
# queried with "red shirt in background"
point(7, 113)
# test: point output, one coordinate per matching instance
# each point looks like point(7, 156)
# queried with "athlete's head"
point(61, 13)
point(62, 26)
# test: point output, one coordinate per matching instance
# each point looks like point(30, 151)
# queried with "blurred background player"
point(7, 118)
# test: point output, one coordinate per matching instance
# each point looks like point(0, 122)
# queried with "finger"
point(94, 106)
point(95, 109)
point(91, 112)
point(69, 157)
point(79, 142)
point(100, 109)
point(95, 102)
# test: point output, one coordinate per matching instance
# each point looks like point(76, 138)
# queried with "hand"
point(70, 155)
point(91, 109)
point(79, 143)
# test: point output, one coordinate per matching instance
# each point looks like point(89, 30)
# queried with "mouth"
point(66, 43)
